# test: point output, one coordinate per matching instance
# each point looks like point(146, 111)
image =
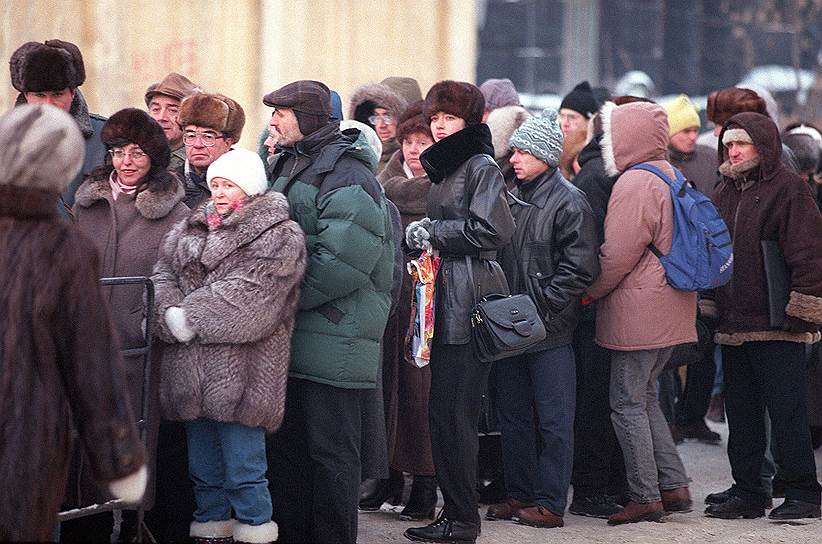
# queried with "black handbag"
point(503, 326)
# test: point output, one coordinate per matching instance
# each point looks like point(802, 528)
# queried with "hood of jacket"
point(361, 150)
point(591, 151)
point(503, 122)
point(765, 136)
point(155, 202)
point(444, 157)
point(633, 133)
point(381, 95)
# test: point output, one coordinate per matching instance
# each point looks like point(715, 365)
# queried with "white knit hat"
point(242, 167)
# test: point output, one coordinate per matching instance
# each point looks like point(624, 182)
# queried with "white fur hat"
point(242, 167)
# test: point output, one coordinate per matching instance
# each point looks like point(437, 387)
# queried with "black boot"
point(373, 493)
point(444, 530)
point(423, 499)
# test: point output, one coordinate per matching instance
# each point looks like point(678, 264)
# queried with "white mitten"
point(131, 488)
point(417, 235)
point(178, 325)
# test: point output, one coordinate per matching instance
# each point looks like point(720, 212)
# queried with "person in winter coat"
point(227, 290)
point(553, 259)
point(314, 459)
point(762, 200)
point(60, 363)
point(51, 73)
point(640, 318)
point(467, 220)
point(378, 106)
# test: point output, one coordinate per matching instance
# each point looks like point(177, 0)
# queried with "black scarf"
point(444, 157)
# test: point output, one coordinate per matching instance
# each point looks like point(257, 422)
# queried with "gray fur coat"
point(239, 287)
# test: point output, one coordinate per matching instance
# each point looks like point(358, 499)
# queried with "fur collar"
point(79, 111)
point(25, 203)
point(152, 203)
point(410, 195)
point(606, 143)
point(737, 172)
point(444, 157)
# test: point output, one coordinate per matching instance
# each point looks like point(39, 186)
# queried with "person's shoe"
point(444, 530)
point(734, 508)
point(423, 500)
point(716, 409)
point(505, 510)
point(699, 431)
point(492, 492)
point(676, 500)
point(595, 506)
point(723, 496)
point(538, 516)
point(373, 492)
point(778, 486)
point(795, 509)
point(635, 512)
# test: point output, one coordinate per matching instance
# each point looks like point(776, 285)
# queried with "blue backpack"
point(701, 255)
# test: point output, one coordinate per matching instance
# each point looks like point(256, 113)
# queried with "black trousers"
point(458, 381)
point(314, 464)
point(772, 375)
point(598, 464)
point(692, 404)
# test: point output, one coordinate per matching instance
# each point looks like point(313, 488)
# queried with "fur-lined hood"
point(765, 136)
point(633, 133)
point(503, 122)
point(380, 95)
point(156, 202)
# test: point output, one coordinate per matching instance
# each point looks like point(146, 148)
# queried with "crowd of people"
point(284, 399)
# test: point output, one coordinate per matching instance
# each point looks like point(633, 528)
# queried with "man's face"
point(164, 110)
point(571, 121)
point(741, 151)
point(204, 145)
point(59, 99)
point(384, 124)
point(285, 124)
point(526, 166)
point(684, 141)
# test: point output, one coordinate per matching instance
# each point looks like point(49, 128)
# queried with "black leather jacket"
point(469, 216)
point(553, 255)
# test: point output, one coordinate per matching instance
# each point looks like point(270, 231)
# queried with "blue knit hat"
point(541, 136)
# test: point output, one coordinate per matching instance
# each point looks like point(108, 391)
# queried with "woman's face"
point(130, 163)
point(444, 125)
point(225, 193)
point(412, 147)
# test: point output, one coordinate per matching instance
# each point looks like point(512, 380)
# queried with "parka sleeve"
point(167, 292)
point(802, 245)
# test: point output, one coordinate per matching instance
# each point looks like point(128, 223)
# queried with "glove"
point(178, 324)
point(417, 235)
point(131, 488)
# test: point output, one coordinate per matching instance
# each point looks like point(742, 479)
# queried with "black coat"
point(595, 183)
point(553, 255)
point(469, 216)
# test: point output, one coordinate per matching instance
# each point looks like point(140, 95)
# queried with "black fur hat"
point(52, 66)
point(457, 98)
point(135, 126)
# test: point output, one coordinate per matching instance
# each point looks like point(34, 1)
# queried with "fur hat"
point(499, 93)
point(40, 148)
point(135, 126)
point(413, 121)
point(406, 88)
point(375, 95)
point(243, 168)
point(682, 114)
point(215, 111)
point(541, 136)
point(52, 66)
point(503, 122)
point(310, 100)
point(725, 103)
point(173, 85)
point(456, 98)
point(581, 100)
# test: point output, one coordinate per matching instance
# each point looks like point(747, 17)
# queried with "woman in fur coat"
point(227, 287)
point(59, 366)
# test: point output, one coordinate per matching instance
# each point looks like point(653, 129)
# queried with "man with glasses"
point(379, 107)
point(163, 103)
point(211, 124)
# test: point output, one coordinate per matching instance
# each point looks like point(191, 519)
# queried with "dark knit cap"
point(133, 126)
point(52, 66)
point(413, 121)
point(581, 99)
point(310, 100)
point(457, 98)
point(725, 103)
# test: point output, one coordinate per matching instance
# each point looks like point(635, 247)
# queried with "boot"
point(212, 532)
point(255, 534)
point(676, 500)
point(506, 510)
point(716, 409)
point(446, 531)
point(635, 512)
point(423, 500)
point(373, 493)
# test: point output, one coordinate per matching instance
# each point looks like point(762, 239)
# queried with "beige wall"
point(246, 48)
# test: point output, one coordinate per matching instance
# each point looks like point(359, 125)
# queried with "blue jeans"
point(541, 384)
point(227, 463)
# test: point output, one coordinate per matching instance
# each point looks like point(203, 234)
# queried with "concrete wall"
point(246, 48)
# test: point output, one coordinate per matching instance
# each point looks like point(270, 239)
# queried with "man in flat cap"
point(51, 73)
point(163, 103)
point(314, 459)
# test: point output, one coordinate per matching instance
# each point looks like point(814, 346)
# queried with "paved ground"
point(709, 471)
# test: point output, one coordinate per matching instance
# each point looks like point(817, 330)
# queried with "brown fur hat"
point(725, 103)
point(457, 98)
point(413, 121)
point(135, 126)
point(52, 66)
point(215, 111)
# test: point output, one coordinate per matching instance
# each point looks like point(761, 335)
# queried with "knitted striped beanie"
point(541, 136)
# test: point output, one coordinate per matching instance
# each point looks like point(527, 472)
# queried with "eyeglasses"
point(135, 154)
point(208, 139)
point(386, 118)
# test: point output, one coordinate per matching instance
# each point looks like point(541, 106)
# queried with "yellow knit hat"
point(682, 114)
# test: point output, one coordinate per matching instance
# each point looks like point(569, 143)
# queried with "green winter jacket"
point(333, 195)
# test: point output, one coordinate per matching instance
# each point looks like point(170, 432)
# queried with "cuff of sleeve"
point(805, 307)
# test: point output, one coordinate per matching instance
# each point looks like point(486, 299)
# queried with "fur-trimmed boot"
point(255, 534)
point(213, 532)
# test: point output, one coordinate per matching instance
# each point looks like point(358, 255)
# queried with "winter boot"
point(423, 500)
point(212, 532)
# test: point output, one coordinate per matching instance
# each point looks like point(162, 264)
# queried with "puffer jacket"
point(469, 217)
point(238, 285)
point(637, 309)
point(760, 202)
point(553, 255)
